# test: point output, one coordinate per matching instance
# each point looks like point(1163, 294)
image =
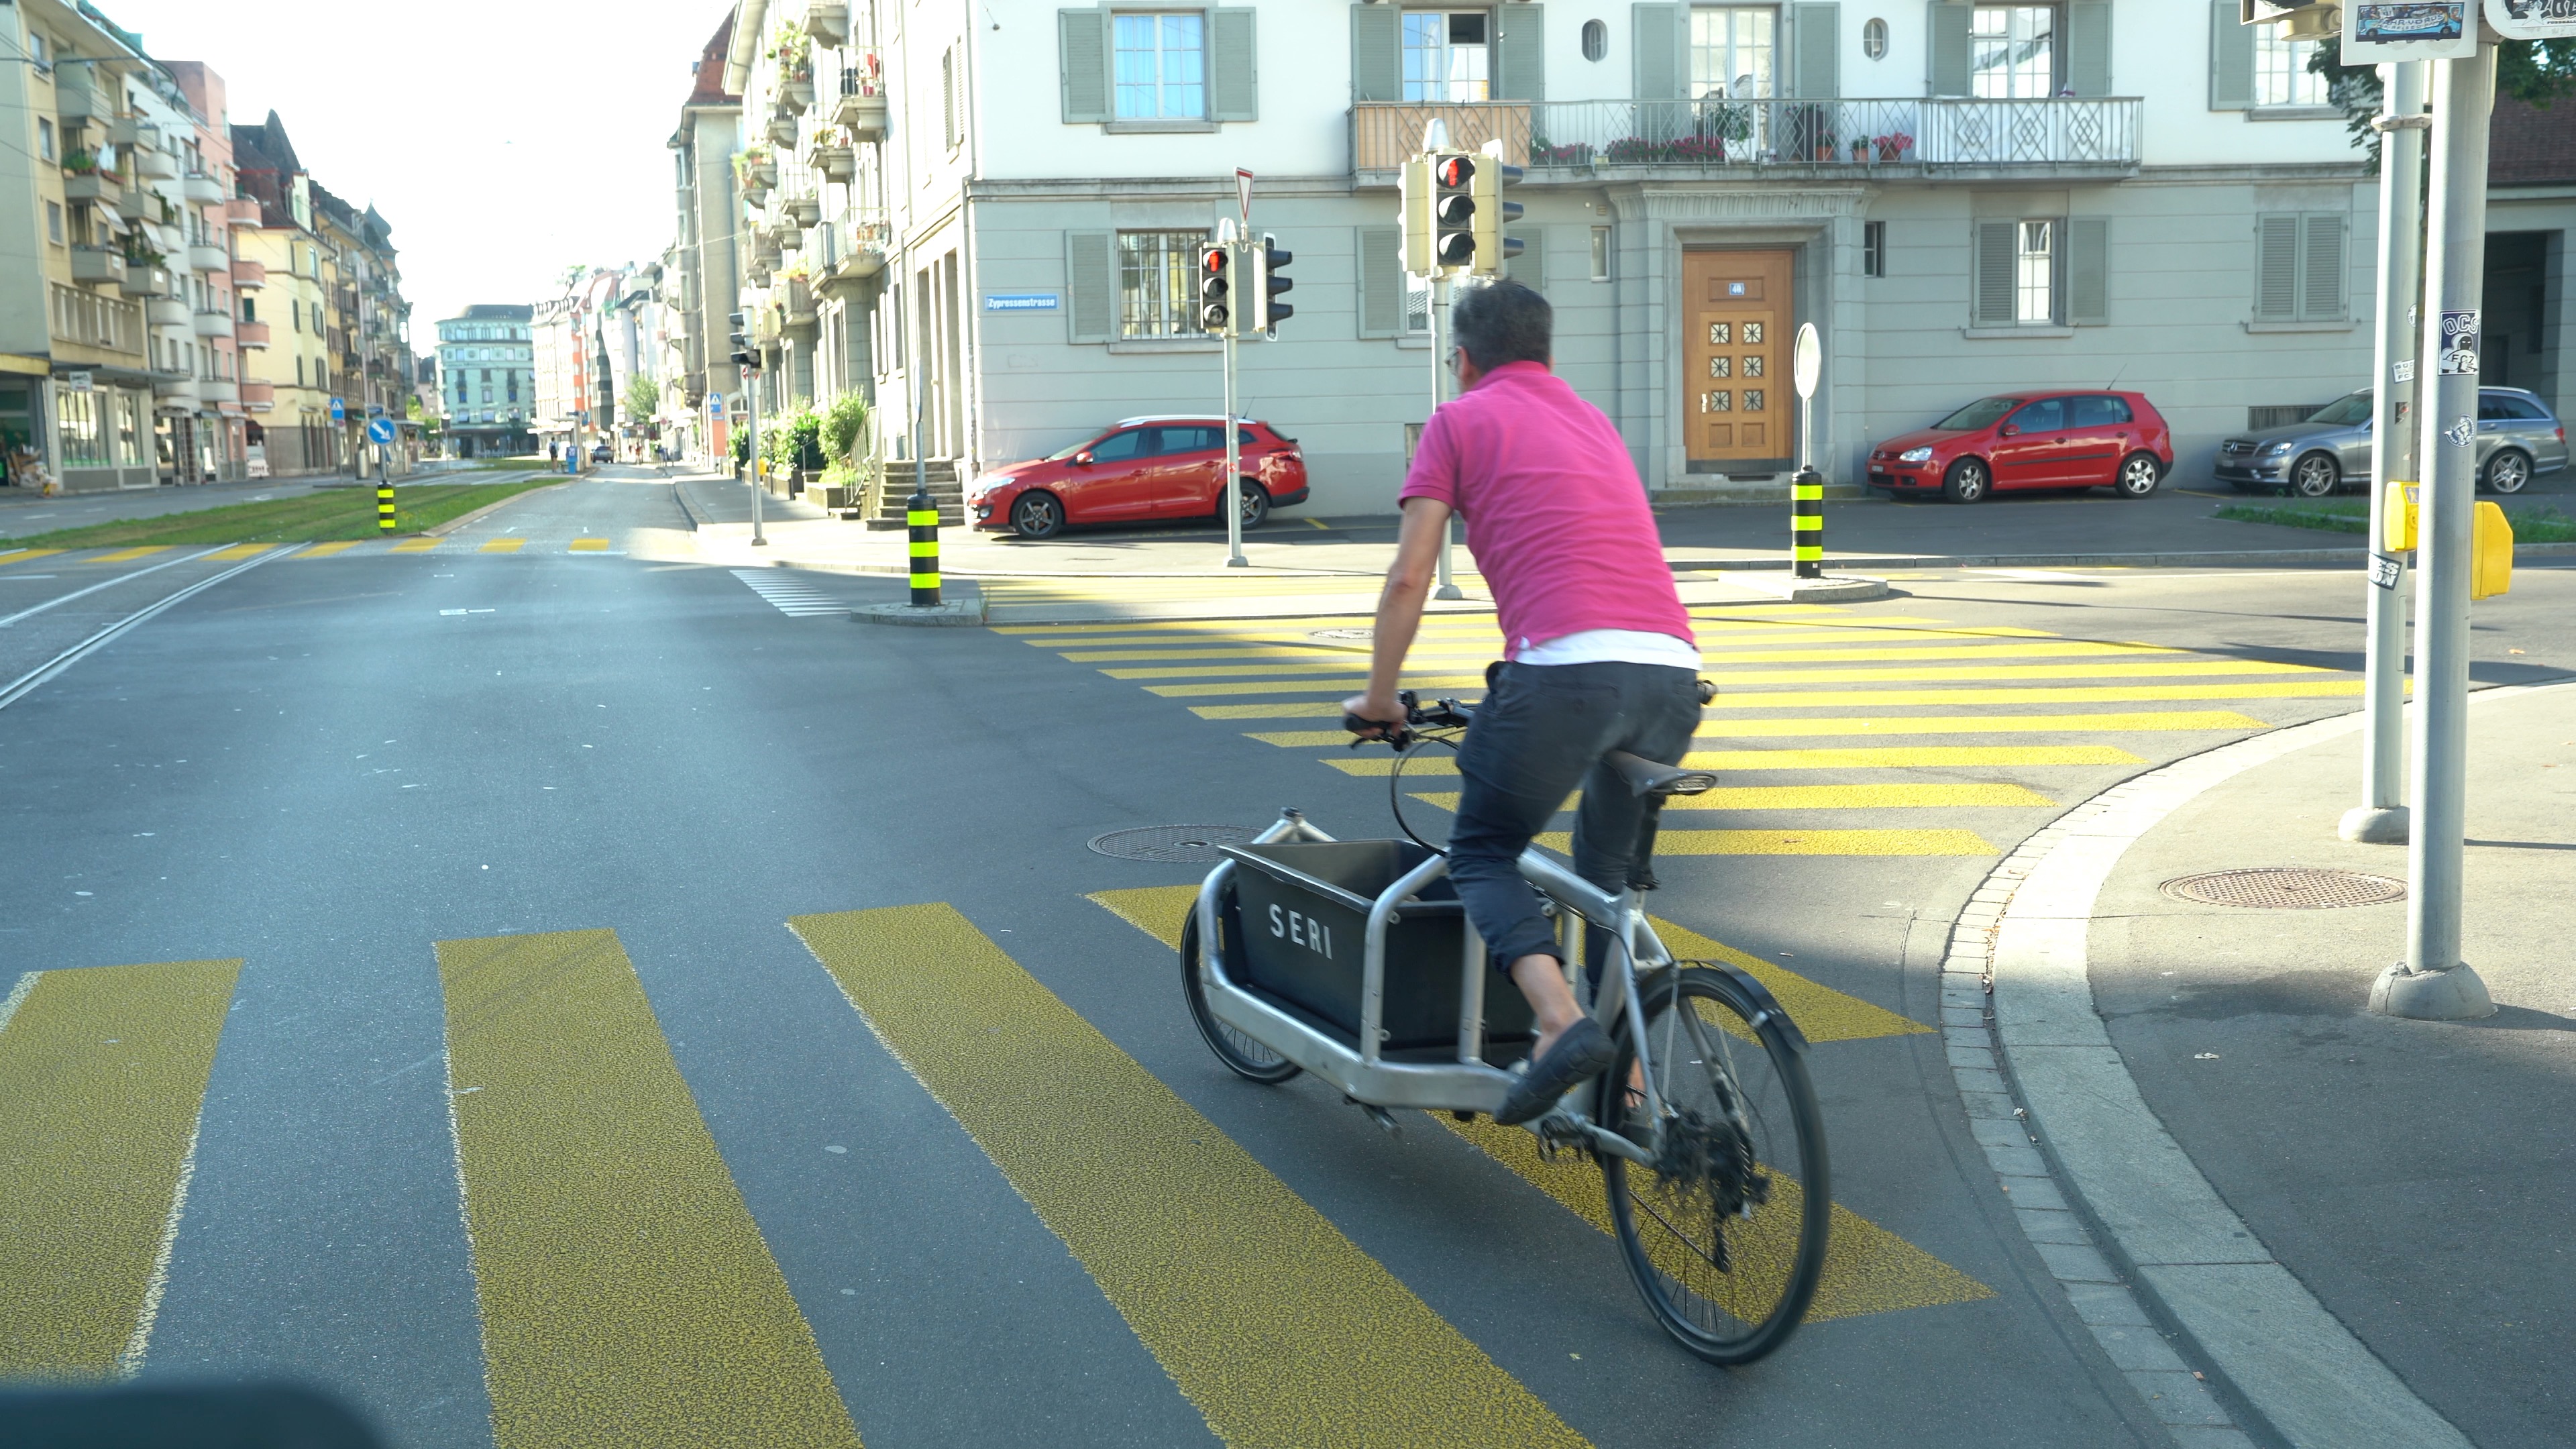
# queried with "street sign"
point(76, 382)
point(2533, 19)
point(1243, 195)
point(1023, 301)
point(339, 411)
point(2383, 31)
point(380, 431)
point(1808, 362)
point(715, 405)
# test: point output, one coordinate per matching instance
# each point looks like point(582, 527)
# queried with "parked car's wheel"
point(1256, 505)
point(2507, 472)
point(2139, 475)
point(1966, 482)
point(1037, 515)
point(2316, 475)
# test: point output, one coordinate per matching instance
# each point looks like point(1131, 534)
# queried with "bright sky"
point(503, 142)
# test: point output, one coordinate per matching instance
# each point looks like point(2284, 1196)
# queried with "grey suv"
point(2518, 439)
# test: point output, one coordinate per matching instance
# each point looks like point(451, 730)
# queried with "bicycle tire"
point(1737, 1294)
point(1241, 1054)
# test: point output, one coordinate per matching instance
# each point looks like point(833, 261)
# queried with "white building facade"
point(1963, 198)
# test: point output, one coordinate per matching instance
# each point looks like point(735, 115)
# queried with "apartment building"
point(487, 380)
point(294, 435)
point(701, 281)
point(985, 220)
point(369, 322)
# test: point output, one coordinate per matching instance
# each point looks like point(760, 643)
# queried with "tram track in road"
point(27, 683)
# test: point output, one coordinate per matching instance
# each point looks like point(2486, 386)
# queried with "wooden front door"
point(1737, 395)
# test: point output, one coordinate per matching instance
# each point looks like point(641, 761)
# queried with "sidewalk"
point(2358, 1224)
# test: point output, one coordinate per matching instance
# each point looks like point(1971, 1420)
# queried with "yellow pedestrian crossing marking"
point(416, 545)
point(1893, 725)
point(1803, 842)
point(1826, 797)
point(589, 545)
point(1844, 698)
point(242, 551)
point(103, 1074)
point(1225, 681)
point(26, 555)
point(1273, 1324)
point(1867, 1268)
point(502, 545)
point(1124, 587)
point(627, 1295)
point(128, 555)
point(1927, 757)
point(2074, 648)
point(326, 550)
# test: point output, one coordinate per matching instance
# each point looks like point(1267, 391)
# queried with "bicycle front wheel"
point(1244, 1056)
point(1725, 1234)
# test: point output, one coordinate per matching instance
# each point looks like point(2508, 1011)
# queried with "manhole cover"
point(2285, 888)
point(1172, 843)
point(1341, 636)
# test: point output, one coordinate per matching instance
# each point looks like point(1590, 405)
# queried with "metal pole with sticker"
point(2432, 983)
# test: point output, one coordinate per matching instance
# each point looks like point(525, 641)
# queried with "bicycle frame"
point(1467, 1084)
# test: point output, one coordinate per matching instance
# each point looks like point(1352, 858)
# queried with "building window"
point(299, 372)
point(44, 139)
point(1731, 51)
point(77, 428)
point(1162, 67)
point(2281, 74)
point(1873, 39)
point(1873, 249)
point(1601, 254)
point(1447, 56)
point(2035, 273)
point(1157, 283)
point(1596, 40)
point(54, 222)
point(2012, 52)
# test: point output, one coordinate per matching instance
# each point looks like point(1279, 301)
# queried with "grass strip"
point(2532, 523)
point(322, 516)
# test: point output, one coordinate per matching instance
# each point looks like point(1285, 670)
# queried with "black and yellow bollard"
point(1807, 523)
point(384, 505)
point(922, 515)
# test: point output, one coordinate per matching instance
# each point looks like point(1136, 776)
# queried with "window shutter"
point(2231, 59)
point(1996, 248)
point(1234, 93)
point(2088, 47)
point(1660, 72)
point(2276, 267)
point(1082, 59)
point(1948, 28)
point(1091, 285)
point(1530, 267)
point(1381, 269)
point(1520, 71)
point(2321, 268)
point(1817, 32)
point(1377, 72)
point(2088, 271)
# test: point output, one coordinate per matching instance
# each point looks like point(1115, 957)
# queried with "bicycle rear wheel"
point(1725, 1236)
point(1244, 1056)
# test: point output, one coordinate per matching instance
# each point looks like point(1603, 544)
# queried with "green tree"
point(643, 399)
point(2535, 72)
point(845, 424)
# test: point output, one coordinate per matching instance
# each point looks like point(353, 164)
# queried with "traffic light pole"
point(1234, 558)
point(2432, 983)
point(2380, 818)
point(1441, 292)
point(751, 401)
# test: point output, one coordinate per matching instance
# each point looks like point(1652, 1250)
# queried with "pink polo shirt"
point(1555, 515)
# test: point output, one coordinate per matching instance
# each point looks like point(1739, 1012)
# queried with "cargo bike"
point(1353, 960)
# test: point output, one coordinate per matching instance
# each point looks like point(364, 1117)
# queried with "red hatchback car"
point(1139, 470)
point(2114, 440)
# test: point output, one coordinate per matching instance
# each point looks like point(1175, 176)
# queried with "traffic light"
point(1216, 265)
point(1453, 210)
point(1492, 247)
point(1413, 205)
point(1269, 279)
point(743, 356)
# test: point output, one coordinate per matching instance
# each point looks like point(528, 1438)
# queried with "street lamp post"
point(2432, 983)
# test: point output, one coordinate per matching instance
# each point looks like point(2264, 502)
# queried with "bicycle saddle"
point(1648, 778)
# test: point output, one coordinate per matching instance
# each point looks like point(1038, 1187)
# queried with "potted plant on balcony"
point(862, 106)
point(793, 50)
point(1859, 150)
point(835, 153)
point(81, 161)
point(1893, 145)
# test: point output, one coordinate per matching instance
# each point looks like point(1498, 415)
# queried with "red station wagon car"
point(2114, 440)
point(1139, 470)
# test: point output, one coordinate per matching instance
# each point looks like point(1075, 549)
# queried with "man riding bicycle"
point(1600, 652)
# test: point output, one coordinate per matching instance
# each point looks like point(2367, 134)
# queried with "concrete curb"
point(954, 614)
point(688, 510)
point(2111, 1201)
point(1831, 589)
point(442, 530)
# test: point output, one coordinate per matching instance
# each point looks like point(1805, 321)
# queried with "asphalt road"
point(459, 1150)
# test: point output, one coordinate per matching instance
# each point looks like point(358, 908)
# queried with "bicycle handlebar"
point(1443, 714)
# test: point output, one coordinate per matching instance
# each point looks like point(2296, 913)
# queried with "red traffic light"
point(1455, 171)
point(1212, 260)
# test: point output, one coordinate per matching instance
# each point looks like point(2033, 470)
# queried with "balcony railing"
point(87, 319)
point(1921, 135)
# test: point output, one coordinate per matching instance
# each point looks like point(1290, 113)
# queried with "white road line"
point(796, 599)
point(111, 583)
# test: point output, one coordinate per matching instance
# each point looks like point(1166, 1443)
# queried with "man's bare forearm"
point(1399, 606)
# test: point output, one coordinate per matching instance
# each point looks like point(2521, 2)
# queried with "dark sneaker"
point(1582, 1053)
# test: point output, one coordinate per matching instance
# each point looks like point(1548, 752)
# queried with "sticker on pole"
point(2385, 571)
point(2533, 19)
point(1807, 362)
point(2460, 341)
point(2378, 31)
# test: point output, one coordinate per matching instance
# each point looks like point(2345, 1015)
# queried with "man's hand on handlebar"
point(1376, 719)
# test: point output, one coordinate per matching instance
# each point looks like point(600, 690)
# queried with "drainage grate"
point(1175, 844)
point(2286, 888)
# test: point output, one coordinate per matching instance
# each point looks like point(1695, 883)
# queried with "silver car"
point(2518, 440)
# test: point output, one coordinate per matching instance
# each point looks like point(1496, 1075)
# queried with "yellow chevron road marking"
point(502, 545)
point(103, 1073)
point(628, 1297)
point(1276, 1327)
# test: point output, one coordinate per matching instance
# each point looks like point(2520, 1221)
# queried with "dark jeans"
point(1541, 731)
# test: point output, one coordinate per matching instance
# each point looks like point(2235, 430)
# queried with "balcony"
point(258, 397)
point(148, 280)
point(795, 98)
point(168, 311)
point(241, 211)
point(86, 319)
point(155, 164)
point(201, 188)
point(249, 276)
point(782, 129)
point(251, 334)
point(218, 390)
point(141, 204)
point(98, 266)
point(175, 394)
point(1948, 137)
point(851, 250)
point(133, 131)
point(78, 98)
point(798, 298)
point(213, 324)
point(101, 187)
point(829, 24)
point(203, 257)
